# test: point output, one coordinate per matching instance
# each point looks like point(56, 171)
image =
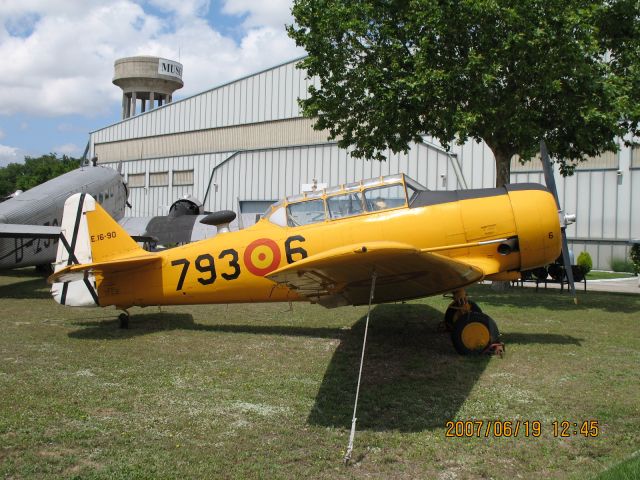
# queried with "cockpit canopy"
point(347, 200)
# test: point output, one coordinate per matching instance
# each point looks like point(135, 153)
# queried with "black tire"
point(124, 320)
point(452, 313)
point(540, 274)
point(526, 275)
point(473, 333)
point(556, 272)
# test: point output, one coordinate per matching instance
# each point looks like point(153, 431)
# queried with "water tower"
point(145, 81)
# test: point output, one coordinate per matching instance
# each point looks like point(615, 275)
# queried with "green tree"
point(34, 171)
point(509, 72)
point(9, 178)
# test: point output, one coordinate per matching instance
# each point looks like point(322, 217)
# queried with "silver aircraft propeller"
point(565, 219)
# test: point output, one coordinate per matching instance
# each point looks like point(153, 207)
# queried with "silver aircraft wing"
point(12, 230)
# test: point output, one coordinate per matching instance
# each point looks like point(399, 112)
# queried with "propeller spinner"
point(565, 218)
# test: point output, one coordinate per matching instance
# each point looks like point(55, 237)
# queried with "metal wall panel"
point(608, 160)
point(273, 173)
point(266, 174)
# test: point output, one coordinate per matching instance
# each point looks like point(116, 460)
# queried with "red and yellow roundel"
point(262, 256)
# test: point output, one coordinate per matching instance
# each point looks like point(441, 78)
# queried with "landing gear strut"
point(472, 332)
point(459, 307)
point(123, 319)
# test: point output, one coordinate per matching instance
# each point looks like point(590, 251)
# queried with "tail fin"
point(88, 236)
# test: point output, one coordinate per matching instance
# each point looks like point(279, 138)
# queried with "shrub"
point(635, 257)
point(621, 265)
point(584, 262)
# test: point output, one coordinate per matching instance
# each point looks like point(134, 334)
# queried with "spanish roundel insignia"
point(262, 256)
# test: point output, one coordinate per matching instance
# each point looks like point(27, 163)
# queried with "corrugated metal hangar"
point(245, 144)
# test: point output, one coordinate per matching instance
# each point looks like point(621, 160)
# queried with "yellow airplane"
point(380, 240)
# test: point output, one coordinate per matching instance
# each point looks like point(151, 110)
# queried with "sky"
point(57, 59)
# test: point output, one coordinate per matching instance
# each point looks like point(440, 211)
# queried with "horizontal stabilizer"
point(12, 230)
point(76, 272)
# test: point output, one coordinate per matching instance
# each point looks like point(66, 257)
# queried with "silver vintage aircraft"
point(29, 230)
point(29, 220)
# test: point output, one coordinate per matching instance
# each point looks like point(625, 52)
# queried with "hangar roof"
point(266, 95)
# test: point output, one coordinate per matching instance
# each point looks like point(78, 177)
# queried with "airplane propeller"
point(565, 218)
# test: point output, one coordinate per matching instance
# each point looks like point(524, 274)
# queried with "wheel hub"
point(475, 336)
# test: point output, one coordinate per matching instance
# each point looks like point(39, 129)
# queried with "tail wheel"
point(123, 320)
point(473, 333)
point(455, 312)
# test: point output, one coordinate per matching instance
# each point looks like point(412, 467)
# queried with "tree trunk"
point(503, 168)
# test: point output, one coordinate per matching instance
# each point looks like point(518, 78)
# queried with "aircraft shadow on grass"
point(97, 328)
point(412, 379)
point(30, 288)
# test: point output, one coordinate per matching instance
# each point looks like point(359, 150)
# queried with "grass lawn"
point(600, 275)
point(255, 391)
point(627, 470)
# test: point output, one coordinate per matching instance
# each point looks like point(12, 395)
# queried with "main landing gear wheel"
point(474, 333)
point(123, 318)
point(455, 312)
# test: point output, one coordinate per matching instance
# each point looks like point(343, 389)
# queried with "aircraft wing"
point(342, 276)
point(12, 230)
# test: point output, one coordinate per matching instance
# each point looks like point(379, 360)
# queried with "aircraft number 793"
point(205, 262)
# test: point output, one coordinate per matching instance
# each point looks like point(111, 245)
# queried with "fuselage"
point(44, 204)
point(464, 225)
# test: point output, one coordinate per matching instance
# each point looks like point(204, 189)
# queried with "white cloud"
point(274, 13)
point(183, 8)
point(9, 155)
point(58, 58)
point(67, 149)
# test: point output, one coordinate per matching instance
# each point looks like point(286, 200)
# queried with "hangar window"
point(182, 177)
point(304, 213)
point(135, 180)
point(159, 179)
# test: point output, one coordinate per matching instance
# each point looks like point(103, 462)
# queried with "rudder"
point(88, 235)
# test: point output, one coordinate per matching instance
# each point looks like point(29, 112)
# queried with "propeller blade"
point(550, 180)
point(547, 168)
